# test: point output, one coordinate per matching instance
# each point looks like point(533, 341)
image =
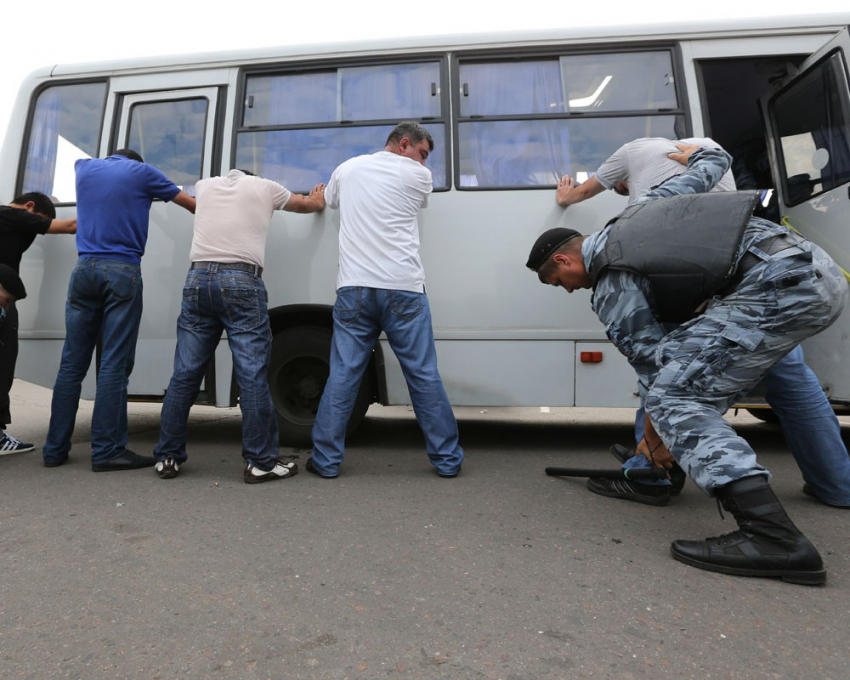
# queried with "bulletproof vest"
point(685, 245)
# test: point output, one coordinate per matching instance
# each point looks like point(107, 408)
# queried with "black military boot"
point(767, 543)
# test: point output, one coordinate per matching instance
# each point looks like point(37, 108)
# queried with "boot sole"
point(803, 578)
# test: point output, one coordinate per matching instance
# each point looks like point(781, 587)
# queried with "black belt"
point(770, 246)
point(255, 269)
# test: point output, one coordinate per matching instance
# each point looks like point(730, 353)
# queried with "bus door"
point(174, 131)
point(808, 126)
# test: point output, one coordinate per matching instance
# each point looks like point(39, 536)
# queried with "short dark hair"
point(246, 172)
point(129, 153)
point(43, 204)
point(413, 131)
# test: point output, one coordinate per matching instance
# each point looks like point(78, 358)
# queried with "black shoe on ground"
point(767, 543)
point(126, 461)
point(809, 491)
point(282, 470)
point(10, 444)
point(55, 462)
point(649, 494)
point(312, 470)
point(167, 469)
point(621, 453)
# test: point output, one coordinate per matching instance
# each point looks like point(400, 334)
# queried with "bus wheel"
point(298, 372)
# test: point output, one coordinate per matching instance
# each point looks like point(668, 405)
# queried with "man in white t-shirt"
point(381, 287)
point(634, 168)
point(224, 291)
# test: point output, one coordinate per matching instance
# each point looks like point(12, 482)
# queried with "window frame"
point(555, 52)
point(302, 68)
point(25, 138)
point(781, 166)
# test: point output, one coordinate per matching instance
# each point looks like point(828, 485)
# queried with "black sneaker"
point(281, 470)
point(127, 460)
point(621, 453)
point(167, 469)
point(312, 470)
point(648, 494)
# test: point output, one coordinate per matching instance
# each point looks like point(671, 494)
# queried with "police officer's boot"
point(767, 544)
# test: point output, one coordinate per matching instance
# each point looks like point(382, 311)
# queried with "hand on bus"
point(566, 192)
point(318, 195)
point(685, 152)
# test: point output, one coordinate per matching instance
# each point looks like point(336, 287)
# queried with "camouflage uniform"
point(694, 373)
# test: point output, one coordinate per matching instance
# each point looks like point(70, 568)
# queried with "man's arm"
point(184, 200)
point(621, 302)
point(63, 226)
point(569, 192)
point(313, 202)
point(705, 168)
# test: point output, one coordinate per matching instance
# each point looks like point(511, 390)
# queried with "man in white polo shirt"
point(224, 291)
point(381, 287)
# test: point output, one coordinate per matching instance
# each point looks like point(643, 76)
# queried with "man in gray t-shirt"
point(633, 168)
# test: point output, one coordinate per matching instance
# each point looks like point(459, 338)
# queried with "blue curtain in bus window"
point(65, 127)
point(43, 144)
point(291, 99)
point(393, 92)
point(512, 153)
point(300, 159)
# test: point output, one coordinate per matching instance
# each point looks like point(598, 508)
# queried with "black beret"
point(12, 282)
point(548, 242)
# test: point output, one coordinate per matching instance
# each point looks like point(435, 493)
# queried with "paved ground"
point(389, 571)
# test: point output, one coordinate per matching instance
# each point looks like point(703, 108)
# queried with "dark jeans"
point(8, 359)
point(215, 300)
point(104, 300)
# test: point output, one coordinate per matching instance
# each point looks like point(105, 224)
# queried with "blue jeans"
point(808, 422)
point(217, 299)
point(104, 300)
point(360, 314)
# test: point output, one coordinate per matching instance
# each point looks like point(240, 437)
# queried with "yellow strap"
point(787, 223)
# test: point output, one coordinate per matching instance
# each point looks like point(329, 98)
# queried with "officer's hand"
point(685, 152)
point(565, 194)
point(657, 455)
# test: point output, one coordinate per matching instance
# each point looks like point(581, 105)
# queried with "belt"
point(776, 246)
point(255, 269)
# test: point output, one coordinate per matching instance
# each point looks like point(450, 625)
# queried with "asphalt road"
point(389, 571)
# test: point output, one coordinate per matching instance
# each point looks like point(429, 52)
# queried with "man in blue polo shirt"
point(114, 196)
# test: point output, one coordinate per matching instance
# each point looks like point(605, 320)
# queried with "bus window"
point(296, 128)
point(170, 136)
point(812, 121)
point(66, 126)
point(552, 116)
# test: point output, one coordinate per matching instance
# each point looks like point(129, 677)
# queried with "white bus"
point(509, 113)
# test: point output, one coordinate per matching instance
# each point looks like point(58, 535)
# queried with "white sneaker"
point(281, 470)
point(8, 444)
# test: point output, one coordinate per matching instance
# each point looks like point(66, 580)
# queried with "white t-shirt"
point(645, 165)
point(232, 217)
point(379, 196)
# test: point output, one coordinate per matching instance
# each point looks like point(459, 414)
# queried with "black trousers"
point(8, 359)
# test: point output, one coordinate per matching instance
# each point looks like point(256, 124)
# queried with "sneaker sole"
point(9, 452)
point(803, 578)
point(271, 478)
point(638, 498)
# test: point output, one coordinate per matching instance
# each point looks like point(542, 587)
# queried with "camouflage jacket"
point(623, 300)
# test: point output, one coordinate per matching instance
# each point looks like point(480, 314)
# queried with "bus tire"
point(298, 371)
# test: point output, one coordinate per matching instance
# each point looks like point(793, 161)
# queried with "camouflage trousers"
point(709, 362)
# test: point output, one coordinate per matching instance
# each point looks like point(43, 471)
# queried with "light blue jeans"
point(360, 314)
point(808, 422)
point(104, 301)
point(217, 299)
